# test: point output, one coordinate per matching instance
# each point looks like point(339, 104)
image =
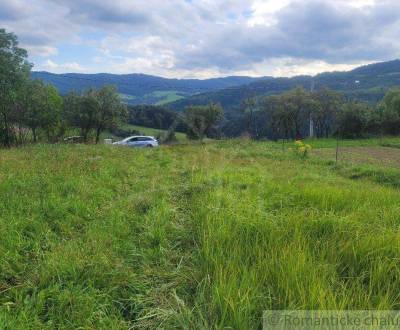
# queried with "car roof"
point(141, 136)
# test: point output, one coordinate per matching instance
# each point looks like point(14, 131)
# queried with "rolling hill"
point(140, 88)
point(368, 83)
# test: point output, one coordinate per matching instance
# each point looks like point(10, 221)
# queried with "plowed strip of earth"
point(384, 156)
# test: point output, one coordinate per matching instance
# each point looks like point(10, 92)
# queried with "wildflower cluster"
point(301, 148)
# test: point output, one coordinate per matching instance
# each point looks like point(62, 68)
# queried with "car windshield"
point(131, 138)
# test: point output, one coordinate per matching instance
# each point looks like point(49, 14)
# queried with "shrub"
point(301, 149)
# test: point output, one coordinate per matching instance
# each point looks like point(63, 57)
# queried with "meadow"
point(192, 236)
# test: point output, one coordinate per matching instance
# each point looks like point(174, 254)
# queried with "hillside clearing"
point(190, 236)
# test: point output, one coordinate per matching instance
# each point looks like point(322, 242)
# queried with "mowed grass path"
point(191, 236)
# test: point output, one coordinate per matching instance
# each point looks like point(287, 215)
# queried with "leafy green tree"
point(327, 104)
point(389, 110)
point(200, 120)
point(353, 119)
point(42, 106)
point(81, 111)
point(248, 107)
point(374, 121)
point(289, 113)
point(20, 133)
point(14, 70)
point(151, 116)
point(50, 114)
point(302, 105)
point(94, 110)
point(31, 104)
point(110, 109)
point(279, 116)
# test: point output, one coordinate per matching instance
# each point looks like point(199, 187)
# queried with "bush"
point(301, 149)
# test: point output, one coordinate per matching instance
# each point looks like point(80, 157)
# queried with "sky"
point(204, 38)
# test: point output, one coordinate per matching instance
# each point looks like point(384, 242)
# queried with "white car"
point(138, 141)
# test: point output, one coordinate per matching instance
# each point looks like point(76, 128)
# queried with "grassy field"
point(191, 236)
point(156, 97)
point(181, 137)
point(166, 96)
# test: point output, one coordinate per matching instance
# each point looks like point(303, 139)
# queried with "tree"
point(20, 133)
point(353, 119)
point(279, 118)
point(14, 70)
point(41, 107)
point(289, 112)
point(110, 109)
point(324, 112)
point(301, 105)
point(389, 111)
point(200, 120)
point(94, 110)
point(248, 106)
point(50, 112)
point(81, 111)
point(31, 105)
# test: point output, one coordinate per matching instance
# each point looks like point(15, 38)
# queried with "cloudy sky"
point(204, 38)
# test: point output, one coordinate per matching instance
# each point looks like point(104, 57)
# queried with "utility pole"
point(311, 120)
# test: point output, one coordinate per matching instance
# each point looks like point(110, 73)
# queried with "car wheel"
point(149, 146)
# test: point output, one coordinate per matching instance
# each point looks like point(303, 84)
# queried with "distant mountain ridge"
point(368, 83)
point(140, 88)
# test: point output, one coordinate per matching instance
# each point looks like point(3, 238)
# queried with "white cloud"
point(263, 11)
point(52, 66)
point(360, 3)
point(42, 51)
point(205, 37)
point(289, 67)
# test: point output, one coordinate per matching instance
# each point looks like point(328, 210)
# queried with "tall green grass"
point(91, 237)
point(290, 234)
point(191, 236)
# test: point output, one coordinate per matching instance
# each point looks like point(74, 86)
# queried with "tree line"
point(31, 110)
point(197, 122)
point(322, 113)
point(154, 116)
point(295, 114)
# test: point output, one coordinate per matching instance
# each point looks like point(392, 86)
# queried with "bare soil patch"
point(383, 156)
